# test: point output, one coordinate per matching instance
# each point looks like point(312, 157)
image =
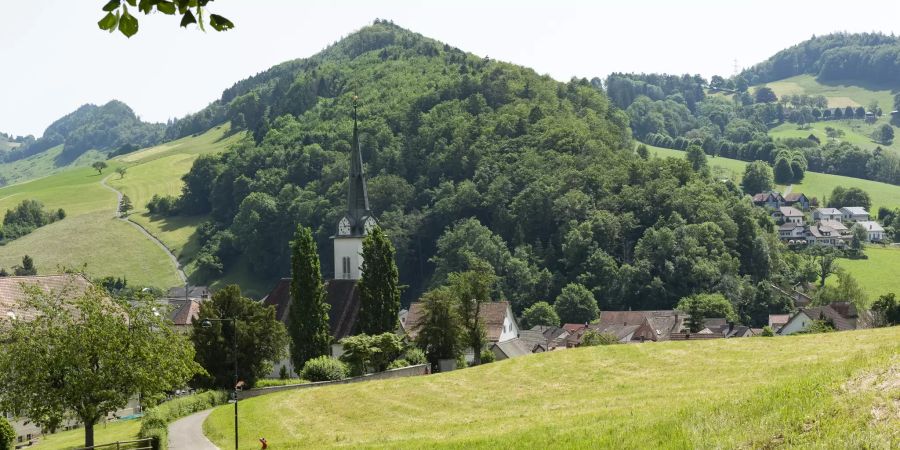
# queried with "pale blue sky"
point(54, 58)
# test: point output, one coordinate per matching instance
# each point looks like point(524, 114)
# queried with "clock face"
point(344, 227)
point(370, 224)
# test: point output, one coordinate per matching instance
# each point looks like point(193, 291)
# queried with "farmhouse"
point(854, 214)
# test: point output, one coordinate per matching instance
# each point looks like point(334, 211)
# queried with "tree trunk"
point(88, 433)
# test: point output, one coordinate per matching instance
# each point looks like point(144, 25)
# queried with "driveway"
point(187, 433)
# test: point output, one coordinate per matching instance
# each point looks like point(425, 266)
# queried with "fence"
point(137, 444)
point(411, 371)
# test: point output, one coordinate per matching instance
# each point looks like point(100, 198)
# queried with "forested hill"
point(864, 57)
point(472, 159)
point(108, 128)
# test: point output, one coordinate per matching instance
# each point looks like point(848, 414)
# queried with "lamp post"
point(206, 323)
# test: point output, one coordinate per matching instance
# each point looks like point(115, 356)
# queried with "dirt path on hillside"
point(178, 270)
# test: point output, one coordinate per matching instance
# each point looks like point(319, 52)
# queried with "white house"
point(823, 235)
point(874, 229)
point(791, 231)
point(497, 317)
point(854, 214)
point(789, 214)
point(834, 214)
point(840, 315)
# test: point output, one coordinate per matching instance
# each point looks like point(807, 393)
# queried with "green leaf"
point(132, 2)
point(220, 23)
point(146, 6)
point(108, 22)
point(166, 7)
point(182, 5)
point(188, 19)
point(112, 5)
point(128, 24)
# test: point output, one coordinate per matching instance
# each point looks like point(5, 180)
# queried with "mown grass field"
point(124, 430)
point(44, 164)
point(90, 235)
point(877, 274)
point(836, 390)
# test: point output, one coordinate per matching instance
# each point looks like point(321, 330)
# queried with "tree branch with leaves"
point(119, 17)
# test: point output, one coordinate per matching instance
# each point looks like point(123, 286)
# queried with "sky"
point(53, 58)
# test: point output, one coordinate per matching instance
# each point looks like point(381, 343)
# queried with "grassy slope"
point(877, 274)
point(839, 95)
point(90, 234)
point(44, 164)
point(104, 433)
point(731, 393)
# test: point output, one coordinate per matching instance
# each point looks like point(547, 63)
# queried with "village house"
point(842, 316)
point(797, 200)
point(820, 234)
point(197, 293)
point(874, 230)
point(771, 200)
point(831, 214)
point(788, 214)
point(854, 214)
point(776, 321)
point(790, 231)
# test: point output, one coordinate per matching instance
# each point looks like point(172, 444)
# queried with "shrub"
point(767, 331)
point(324, 368)
point(270, 382)
point(399, 364)
point(415, 357)
point(7, 435)
point(283, 373)
point(487, 356)
point(592, 338)
point(156, 420)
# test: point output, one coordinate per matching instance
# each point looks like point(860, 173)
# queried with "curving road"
point(178, 270)
point(187, 433)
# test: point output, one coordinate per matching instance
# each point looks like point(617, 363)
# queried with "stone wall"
point(411, 371)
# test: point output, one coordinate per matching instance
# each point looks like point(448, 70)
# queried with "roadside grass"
point(735, 393)
point(89, 234)
point(120, 430)
point(877, 275)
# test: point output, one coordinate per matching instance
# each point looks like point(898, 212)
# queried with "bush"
point(163, 205)
point(415, 357)
point(767, 331)
point(7, 435)
point(155, 422)
point(487, 356)
point(270, 382)
point(324, 368)
point(592, 338)
point(283, 373)
point(399, 364)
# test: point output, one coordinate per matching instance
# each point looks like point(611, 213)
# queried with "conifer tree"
point(379, 287)
point(308, 312)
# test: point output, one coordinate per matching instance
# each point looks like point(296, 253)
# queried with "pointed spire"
point(357, 196)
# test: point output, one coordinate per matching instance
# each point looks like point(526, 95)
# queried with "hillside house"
point(820, 234)
point(854, 214)
point(776, 321)
point(497, 317)
point(788, 214)
point(183, 313)
point(771, 200)
point(873, 229)
point(835, 225)
point(842, 316)
point(516, 347)
point(797, 200)
point(831, 214)
point(791, 231)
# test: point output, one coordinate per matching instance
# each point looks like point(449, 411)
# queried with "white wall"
point(510, 329)
point(350, 247)
point(796, 325)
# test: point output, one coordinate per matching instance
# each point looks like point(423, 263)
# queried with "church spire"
point(357, 196)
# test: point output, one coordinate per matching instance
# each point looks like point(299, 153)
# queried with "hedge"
point(155, 423)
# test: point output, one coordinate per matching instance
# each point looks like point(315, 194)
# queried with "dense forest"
point(107, 128)
point(863, 57)
point(474, 160)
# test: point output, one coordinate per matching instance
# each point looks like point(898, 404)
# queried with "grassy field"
point(124, 430)
point(814, 184)
point(90, 235)
point(877, 274)
point(835, 390)
point(856, 132)
point(44, 164)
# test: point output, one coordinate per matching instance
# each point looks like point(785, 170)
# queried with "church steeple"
point(357, 195)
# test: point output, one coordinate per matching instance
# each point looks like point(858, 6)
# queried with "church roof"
point(357, 193)
point(341, 295)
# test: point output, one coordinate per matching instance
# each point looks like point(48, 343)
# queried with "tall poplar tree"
point(379, 287)
point(308, 312)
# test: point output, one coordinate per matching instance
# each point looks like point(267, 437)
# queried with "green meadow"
point(123, 430)
point(877, 274)
point(44, 164)
point(91, 237)
point(834, 390)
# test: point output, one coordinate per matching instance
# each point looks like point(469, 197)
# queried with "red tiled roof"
point(12, 295)
point(492, 315)
point(341, 295)
point(184, 311)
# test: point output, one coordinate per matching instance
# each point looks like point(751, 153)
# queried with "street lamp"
point(206, 323)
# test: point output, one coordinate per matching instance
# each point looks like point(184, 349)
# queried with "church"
point(342, 293)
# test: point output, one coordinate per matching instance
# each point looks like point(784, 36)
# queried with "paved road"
point(178, 270)
point(187, 433)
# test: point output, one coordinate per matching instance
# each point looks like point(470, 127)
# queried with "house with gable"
point(843, 316)
point(854, 214)
point(820, 214)
point(499, 323)
point(797, 200)
point(788, 214)
point(771, 200)
point(874, 230)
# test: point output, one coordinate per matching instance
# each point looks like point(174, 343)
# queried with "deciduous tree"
point(757, 178)
point(540, 313)
point(576, 304)
point(704, 306)
point(99, 166)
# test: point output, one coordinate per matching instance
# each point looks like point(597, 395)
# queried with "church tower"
point(358, 220)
